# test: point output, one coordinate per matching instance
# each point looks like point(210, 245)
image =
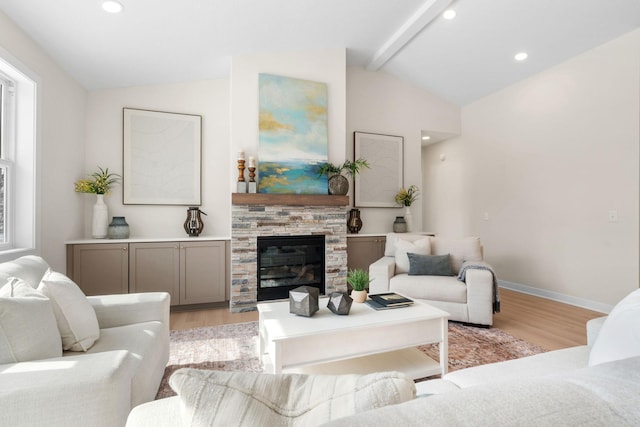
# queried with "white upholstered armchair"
point(448, 273)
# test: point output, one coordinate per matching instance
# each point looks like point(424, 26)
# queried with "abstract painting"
point(292, 135)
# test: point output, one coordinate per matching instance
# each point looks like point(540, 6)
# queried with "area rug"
point(235, 347)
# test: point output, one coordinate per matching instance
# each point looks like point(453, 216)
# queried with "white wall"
point(547, 159)
point(209, 99)
point(327, 65)
point(60, 135)
point(379, 103)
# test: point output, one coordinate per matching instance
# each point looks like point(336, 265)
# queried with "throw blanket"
point(480, 265)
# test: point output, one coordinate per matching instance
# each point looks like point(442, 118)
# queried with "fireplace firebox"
point(286, 262)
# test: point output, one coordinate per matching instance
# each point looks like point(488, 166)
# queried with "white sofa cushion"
point(75, 316)
point(619, 337)
point(27, 325)
point(461, 250)
point(393, 238)
point(257, 399)
point(439, 288)
point(29, 268)
point(147, 346)
point(421, 247)
point(599, 396)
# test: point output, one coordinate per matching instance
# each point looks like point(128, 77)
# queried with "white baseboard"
point(556, 296)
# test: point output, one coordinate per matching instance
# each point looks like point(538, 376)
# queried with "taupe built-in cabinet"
point(192, 272)
point(363, 250)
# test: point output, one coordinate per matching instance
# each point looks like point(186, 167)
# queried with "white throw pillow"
point(75, 316)
point(460, 250)
point(257, 399)
point(28, 328)
point(421, 247)
point(619, 337)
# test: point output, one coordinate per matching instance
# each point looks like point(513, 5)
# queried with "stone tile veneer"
point(250, 221)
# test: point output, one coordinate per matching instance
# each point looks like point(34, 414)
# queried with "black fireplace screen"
point(286, 262)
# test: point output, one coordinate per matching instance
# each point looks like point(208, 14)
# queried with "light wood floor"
point(549, 324)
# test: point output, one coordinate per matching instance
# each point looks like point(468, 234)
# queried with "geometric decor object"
point(303, 300)
point(292, 135)
point(339, 303)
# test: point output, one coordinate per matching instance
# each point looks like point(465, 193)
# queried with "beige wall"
point(547, 159)
point(323, 65)
point(207, 98)
point(380, 103)
point(60, 140)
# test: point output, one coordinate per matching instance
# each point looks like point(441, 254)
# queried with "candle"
point(241, 155)
point(252, 162)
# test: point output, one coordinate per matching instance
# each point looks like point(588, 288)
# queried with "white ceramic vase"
point(408, 219)
point(100, 223)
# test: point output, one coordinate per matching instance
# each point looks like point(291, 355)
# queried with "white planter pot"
point(408, 219)
point(359, 296)
point(100, 222)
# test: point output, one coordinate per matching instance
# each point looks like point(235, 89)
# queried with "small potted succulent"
point(358, 279)
point(338, 183)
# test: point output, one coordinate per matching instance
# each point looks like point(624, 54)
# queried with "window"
point(17, 158)
point(6, 115)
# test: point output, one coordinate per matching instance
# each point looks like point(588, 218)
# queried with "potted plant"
point(405, 197)
point(338, 183)
point(358, 279)
point(99, 184)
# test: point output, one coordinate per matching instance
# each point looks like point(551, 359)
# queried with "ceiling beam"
point(416, 23)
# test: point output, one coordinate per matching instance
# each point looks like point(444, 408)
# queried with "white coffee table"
point(364, 341)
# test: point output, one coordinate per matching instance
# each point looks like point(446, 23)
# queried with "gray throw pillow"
point(432, 265)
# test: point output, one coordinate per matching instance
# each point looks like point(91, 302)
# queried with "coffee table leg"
point(444, 346)
point(276, 358)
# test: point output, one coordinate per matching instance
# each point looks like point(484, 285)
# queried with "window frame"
point(20, 148)
point(7, 151)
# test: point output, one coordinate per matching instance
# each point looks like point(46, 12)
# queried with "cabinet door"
point(363, 251)
point(202, 272)
point(102, 268)
point(155, 267)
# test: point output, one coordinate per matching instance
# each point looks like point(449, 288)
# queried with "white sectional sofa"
point(470, 301)
point(596, 384)
point(122, 366)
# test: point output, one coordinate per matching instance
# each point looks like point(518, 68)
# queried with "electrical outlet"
point(613, 216)
point(485, 216)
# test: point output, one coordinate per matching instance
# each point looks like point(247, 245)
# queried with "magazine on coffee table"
point(391, 300)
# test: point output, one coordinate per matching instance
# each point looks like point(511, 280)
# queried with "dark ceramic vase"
point(118, 229)
point(399, 225)
point(338, 185)
point(354, 223)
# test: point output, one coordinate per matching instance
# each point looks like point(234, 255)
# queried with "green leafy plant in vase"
point(405, 197)
point(358, 279)
point(99, 183)
point(338, 183)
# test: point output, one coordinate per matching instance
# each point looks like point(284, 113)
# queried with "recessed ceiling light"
point(521, 56)
point(449, 14)
point(112, 6)
point(426, 138)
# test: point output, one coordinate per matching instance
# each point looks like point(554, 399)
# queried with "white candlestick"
point(241, 155)
point(252, 162)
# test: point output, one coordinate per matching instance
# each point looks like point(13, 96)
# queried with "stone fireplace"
point(269, 215)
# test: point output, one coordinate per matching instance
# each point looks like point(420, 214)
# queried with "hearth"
point(286, 262)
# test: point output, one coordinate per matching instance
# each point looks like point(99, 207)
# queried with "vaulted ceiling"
point(460, 60)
